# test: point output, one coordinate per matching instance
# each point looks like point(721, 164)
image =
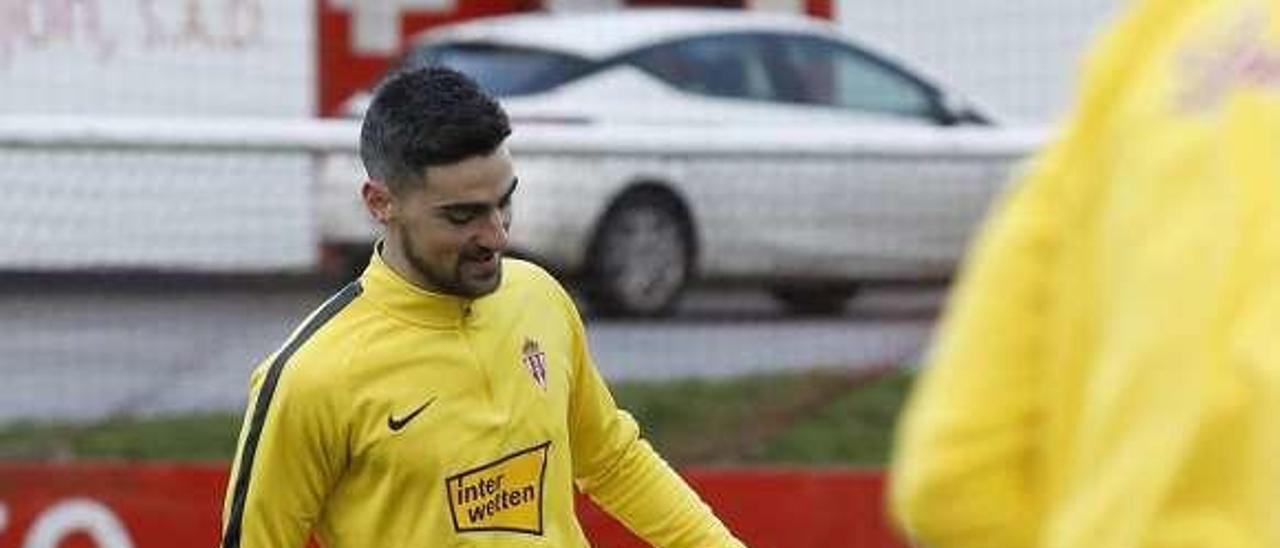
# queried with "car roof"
point(598, 35)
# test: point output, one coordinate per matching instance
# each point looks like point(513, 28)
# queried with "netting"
point(1021, 58)
point(147, 262)
point(172, 208)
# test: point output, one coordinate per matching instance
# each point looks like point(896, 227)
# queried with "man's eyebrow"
point(515, 181)
point(506, 197)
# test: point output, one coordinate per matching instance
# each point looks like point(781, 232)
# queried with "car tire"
point(641, 258)
point(825, 300)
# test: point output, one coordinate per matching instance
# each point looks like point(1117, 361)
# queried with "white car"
point(656, 147)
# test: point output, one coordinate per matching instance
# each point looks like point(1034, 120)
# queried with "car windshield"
point(502, 70)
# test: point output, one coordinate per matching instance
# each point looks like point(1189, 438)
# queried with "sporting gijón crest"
point(536, 360)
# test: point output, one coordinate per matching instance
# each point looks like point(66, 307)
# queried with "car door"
point(723, 91)
point(869, 213)
point(739, 194)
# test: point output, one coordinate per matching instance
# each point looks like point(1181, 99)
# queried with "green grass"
point(815, 417)
point(855, 428)
point(186, 437)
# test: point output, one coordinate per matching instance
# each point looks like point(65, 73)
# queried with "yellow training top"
point(396, 417)
point(1108, 371)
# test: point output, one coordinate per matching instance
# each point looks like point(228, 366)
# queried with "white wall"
point(72, 209)
point(1018, 57)
point(157, 57)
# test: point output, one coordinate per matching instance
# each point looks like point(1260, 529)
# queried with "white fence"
point(251, 195)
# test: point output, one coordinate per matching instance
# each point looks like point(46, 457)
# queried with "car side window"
point(721, 66)
point(816, 71)
point(502, 70)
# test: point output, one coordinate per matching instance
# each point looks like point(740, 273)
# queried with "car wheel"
point(641, 258)
point(826, 300)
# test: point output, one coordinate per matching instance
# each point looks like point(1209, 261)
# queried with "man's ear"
point(378, 201)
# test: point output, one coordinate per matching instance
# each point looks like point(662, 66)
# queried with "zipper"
point(464, 327)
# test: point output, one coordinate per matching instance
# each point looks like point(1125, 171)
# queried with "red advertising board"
point(785, 508)
point(120, 505)
point(109, 505)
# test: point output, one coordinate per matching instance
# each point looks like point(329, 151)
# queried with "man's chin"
point(479, 286)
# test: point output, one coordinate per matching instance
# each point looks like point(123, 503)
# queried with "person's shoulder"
point(323, 343)
point(522, 273)
point(533, 281)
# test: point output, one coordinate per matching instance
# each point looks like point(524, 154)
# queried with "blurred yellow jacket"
point(1107, 374)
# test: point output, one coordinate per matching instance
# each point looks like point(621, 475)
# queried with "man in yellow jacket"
point(1108, 370)
point(447, 397)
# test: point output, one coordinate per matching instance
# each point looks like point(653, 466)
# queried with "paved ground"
point(91, 348)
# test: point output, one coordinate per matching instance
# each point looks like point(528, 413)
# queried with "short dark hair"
point(427, 117)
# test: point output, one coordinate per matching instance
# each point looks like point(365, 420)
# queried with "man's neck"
point(395, 259)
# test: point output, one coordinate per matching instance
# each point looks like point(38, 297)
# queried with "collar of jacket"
point(402, 299)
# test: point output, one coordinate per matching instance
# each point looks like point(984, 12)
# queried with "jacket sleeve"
point(624, 475)
point(289, 455)
point(965, 470)
point(961, 474)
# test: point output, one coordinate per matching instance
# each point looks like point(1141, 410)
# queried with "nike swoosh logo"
point(396, 424)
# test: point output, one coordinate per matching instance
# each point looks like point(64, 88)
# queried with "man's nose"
point(493, 231)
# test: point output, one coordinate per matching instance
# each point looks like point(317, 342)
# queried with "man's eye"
point(459, 217)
